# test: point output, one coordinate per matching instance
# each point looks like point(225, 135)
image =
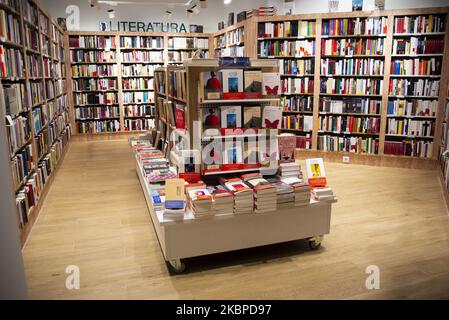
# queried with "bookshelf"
point(392, 51)
point(112, 88)
point(37, 119)
point(230, 41)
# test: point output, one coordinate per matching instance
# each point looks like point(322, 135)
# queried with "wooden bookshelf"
point(231, 40)
point(38, 29)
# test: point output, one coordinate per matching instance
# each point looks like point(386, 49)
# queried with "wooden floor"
point(95, 217)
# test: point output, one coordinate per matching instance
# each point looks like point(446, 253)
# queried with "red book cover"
point(180, 117)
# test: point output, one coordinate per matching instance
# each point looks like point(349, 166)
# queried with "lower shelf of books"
point(193, 236)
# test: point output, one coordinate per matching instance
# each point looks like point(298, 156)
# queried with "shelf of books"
point(226, 165)
point(33, 81)
point(293, 43)
point(230, 42)
point(185, 46)
point(443, 155)
point(414, 85)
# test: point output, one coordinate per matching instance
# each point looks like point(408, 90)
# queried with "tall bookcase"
point(347, 106)
point(230, 41)
point(118, 79)
point(34, 83)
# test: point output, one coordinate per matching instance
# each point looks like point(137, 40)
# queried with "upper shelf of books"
point(214, 63)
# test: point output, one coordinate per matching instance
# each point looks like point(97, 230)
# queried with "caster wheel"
point(313, 245)
point(177, 266)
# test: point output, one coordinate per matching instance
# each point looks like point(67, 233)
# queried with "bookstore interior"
point(282, 149)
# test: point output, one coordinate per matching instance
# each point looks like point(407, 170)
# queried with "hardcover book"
point(253, 84)
point(232, 83)
point(174, 193)
point(231, 117)
point(211, 85)
point(271, 84)
point(287, 148)
point(272, 116)
point(251, 117)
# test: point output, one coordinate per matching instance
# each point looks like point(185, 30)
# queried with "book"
point(230, 19)
point(253, 83)
point(271, 84)
point(180, 116)
point(357, 5)
point(231, 116)
point(211, 118)
point(271, 117)
point(287, 147)
point(316, 173)
point(211, 85)
point(232, 83)
point(174, 193)
point(234, 153)
point(252, 117)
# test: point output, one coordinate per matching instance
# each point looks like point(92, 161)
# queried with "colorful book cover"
point(231, 117)
point(180, 117)
point(316, 173)
point(211, 85)
point(174, 193)
point(287, 148)
point(232, 83)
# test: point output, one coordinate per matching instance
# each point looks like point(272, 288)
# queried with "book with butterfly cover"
point(231, 116)
point(271, 84)
point(272, 116)
point(232, 83)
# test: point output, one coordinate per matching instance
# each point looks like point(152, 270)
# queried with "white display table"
point(194, 237)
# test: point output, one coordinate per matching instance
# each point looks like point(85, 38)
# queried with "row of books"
point(220, 41)
point(37, 92)
point(420, 108)
point(297, 122)
point(138, 97)
point(409, 127)
point(178, 84)
point(348, 144)
point(235, 37)
point(56, 127)
point(26, 199)
point(13, 4)
point(297, 103)
point(17, 99)
point(18, 132)
point(297, 67)
point(92, 42)
point(60, 86)
point(369, 67)
point(140, 111)
point(34, 66)
point(180, 56)
point(93, 70)
point(142, 42)
point(9, 27)
point(143, 56)
point(415, 45)
point(414, 87)
point(234, 51)
point(40, 118)
point(412, 148)
point(49, 89)
point(349, 124)
point(104, 112)
point(419, 24)
point(414, 67)
point(11, 63)
point(155, 167)
point(138, 83)
point(286, 29)
point(31, 38)
point(93, 84)
point(22, 163)
point(350, 105)
point(95, 98)
point(41, 142)
point(139, 70)
point(304, 142)
point(159, 82)
point(139, 124)
point(30, 13)
point(352, 46)
point(351, 86)
point(286, 48)
point(355, 26)
point(297, 85)
point(188, 43)
point(48, 67)
point(89, 127)
point(92, 56)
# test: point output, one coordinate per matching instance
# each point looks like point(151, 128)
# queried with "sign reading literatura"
point(139, 26)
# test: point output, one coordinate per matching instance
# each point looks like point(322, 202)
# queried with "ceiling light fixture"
point(111, 13)
point(189, 13)
point(227, 1)
point(168, 14)
point(195, 9)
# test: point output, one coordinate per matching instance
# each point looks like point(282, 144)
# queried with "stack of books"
point(264, 192)
point(201, 202)
point(284, 192)
point(261, 12)
point(158, 198)
point(323, 194)
point(243, 195)
point(290, 170)
point(154, 164)
point(174, 199)
point(301, 190)
point(223, 200)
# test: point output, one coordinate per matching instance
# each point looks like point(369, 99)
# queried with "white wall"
point(318, 6)
point(209, 17)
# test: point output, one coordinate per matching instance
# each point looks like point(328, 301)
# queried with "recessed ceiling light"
point(227, 1)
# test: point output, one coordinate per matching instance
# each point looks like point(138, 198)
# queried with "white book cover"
point(315, 168)
point(271, 83)
point(231, 117)
point(272, 116)
point(232, 80)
